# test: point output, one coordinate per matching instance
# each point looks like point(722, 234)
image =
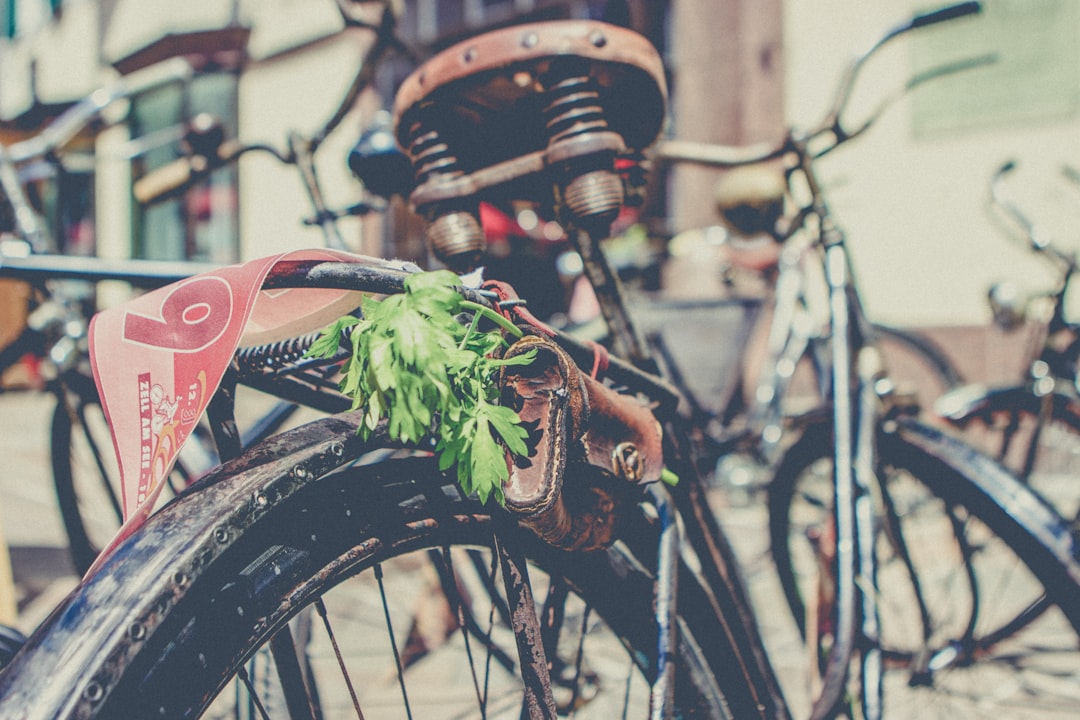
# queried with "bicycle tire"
point(180, 605)
point(85, 473)
point(80, 445)
point(1035, 436)
point(959, 538)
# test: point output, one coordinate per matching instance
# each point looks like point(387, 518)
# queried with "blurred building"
point(911, 193)
point(267, 67)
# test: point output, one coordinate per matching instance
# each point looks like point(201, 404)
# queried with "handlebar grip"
point(944, 14)
point(176, 177)
point(166, 181)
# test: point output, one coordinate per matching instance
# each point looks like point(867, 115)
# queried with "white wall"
point(297, 91)
point(915, 211)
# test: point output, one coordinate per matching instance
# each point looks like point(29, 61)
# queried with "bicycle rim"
point(1044, 453)
point(248, 551)
point(947, 586)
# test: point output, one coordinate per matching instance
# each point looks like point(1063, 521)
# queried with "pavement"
point(37, 545)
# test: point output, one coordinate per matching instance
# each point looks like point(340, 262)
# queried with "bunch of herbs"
point(429, 373)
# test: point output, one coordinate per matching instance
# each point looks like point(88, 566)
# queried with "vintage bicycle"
point(1030, 425)
point(643, 611)
point(848, 506)
point(783, 370)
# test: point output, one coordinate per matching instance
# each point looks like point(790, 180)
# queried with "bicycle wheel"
point(952, 579)
point(85, 472)
point(183, 606)
point(1038, 438)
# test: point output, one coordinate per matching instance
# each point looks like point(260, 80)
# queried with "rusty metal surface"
point(623, 436)
point(487, 74)
point(538, 702)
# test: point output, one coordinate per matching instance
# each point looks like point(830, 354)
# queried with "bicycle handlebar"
point(72, 121)
point(63, 130)
point(1033, 233)
point(178, 176)
point(722, 156)
point(727, 156)
point(946, 13)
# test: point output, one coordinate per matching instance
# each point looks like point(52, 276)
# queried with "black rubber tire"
point(78, 420)
point(1007, 425)
point(945, 509)
point(85, 473)
point(182, 604)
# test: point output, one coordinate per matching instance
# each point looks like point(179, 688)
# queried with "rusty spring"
point(274, 356)
point(593, 193)
point(454, 232)
point(574, 109)
point(430, 154)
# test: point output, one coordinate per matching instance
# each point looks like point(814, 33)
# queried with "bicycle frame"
point(798, 324)
point(856, 413)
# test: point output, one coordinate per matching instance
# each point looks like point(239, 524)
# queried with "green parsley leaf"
point(414, 364)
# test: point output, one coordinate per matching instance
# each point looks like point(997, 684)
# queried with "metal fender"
point(1001, 491)
point(971, 402)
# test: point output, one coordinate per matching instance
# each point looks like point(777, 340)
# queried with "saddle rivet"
point(94, 691)
point(137, 631)
point(598, 38)
point(530, 40)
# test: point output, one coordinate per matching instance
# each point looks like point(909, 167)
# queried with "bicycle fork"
point(854, 418)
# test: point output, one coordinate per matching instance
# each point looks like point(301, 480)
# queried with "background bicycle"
point(810, 544)
point(84, 471)
point(782, 371)
point(1031, 425)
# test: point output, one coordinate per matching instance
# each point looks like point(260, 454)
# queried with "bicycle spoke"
point(99, 463)
point(242, 674)
point(449, 579)
point(498, 604)
point(489, 584)
point(320, 607)
point(463, 611)
point(578, 661)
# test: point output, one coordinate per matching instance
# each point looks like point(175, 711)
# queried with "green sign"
point(1034, 75)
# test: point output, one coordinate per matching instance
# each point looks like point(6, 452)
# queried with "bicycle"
point(84, 475)
point(850, 486)
point(1030, 426)
point(193, 589)
point(784, 369)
